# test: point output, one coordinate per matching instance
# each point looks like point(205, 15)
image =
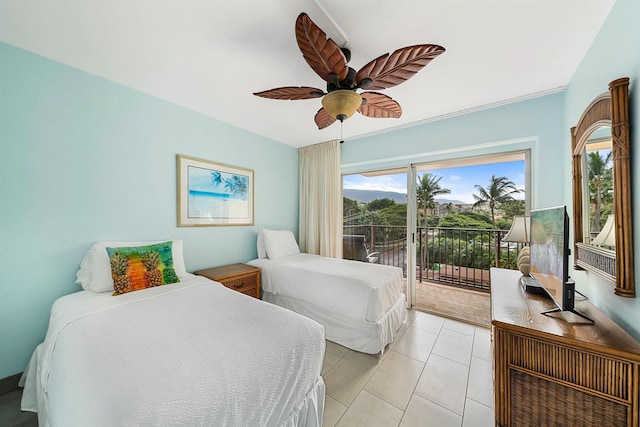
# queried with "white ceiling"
point(211, 55)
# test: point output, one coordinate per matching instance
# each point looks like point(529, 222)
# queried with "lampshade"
point(607, 236)
point(519, 231)
point(341, 104)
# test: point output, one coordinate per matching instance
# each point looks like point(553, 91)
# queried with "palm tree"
point(600, 182)
point(427, 189)
point(500, 190)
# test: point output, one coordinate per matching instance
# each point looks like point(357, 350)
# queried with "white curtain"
point(320, 199)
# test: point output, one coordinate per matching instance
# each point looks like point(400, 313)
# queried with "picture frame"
point(213, 194)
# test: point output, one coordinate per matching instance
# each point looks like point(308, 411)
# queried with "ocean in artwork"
point(217, 195)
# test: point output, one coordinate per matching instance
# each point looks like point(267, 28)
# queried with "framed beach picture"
point(213, 194)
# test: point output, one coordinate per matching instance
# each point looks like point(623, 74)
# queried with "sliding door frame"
point(412, 212)
point(412, 208)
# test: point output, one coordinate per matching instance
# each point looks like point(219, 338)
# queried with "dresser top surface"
point(513, 308)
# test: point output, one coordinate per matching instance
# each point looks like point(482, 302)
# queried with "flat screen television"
point(549, 256)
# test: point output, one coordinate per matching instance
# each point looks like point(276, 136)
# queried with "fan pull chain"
point(341, 124)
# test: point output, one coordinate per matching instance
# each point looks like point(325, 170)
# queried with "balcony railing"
point(454, 256)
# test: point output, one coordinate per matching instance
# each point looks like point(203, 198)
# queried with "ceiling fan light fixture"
point(341, 104)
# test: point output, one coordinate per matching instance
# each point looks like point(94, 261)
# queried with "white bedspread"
point(357, 290)
point(193, 353)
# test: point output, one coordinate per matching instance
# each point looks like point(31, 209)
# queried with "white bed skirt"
point(308, 414)
point(360, 335)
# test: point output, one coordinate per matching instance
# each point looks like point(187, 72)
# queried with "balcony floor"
point(453, 302)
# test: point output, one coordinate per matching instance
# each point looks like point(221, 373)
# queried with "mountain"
point(453, 202)
point(366, 196)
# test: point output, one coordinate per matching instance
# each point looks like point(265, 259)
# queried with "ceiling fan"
point(341, 99)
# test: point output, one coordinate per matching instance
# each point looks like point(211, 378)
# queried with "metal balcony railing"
point(454, 256)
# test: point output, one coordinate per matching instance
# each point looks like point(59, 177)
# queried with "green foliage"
point(466, 220)
point(478, 216)
point(512, 208)
point(432, 220)
point(450, 208)
point(457, 248)
point(395, 214)
point(378, 204)
point(350, 207)
point(504, 223)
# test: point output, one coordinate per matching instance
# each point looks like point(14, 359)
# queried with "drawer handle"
point(238, 285)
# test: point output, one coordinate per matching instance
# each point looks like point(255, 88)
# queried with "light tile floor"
point(437, 373)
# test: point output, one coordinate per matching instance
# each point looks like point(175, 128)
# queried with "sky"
point(460, 180)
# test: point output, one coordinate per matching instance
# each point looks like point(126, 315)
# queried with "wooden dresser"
point(560, 370)
point(239, 277)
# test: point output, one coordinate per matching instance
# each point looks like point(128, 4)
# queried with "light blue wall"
point(83, 159)
point(615, 53)
point(536, 124)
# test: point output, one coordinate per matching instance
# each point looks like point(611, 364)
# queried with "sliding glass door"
point(440, 222)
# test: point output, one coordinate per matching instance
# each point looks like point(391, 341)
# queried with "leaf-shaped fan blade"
point(391, 70)
point(323, 119)
point(322, 54)
point(380, 106)
point(291, 92)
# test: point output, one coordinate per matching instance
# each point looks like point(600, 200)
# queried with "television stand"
point(555, 372)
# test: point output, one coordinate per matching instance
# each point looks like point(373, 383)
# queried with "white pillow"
point(280, 243)
point(95, 270)
point(262, 251)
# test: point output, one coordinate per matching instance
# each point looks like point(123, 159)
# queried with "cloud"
point(378, 183)
point(463, 197)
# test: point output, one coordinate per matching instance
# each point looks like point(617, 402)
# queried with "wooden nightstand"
point(239, 277)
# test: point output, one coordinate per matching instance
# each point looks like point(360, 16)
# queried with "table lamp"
point(519, 233)
point(607, 236)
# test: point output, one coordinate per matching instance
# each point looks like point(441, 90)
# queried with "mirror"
point(600, 148)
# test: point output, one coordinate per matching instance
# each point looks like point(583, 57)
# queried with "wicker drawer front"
point(539, 402)
point(247, 284)
point(585, 369)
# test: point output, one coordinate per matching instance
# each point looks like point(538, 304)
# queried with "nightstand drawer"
point(247, 284)
point(239, 277)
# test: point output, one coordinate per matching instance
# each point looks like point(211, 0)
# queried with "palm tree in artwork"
point(500, 190)
point(426, 191)
point(236, 184)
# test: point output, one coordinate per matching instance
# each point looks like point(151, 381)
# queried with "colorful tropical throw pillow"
point(140, 267)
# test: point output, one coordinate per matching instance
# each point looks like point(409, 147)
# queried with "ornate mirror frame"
point(608, 109)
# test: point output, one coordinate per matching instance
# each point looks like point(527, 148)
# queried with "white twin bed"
point(361, 305)
point(188, 353)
